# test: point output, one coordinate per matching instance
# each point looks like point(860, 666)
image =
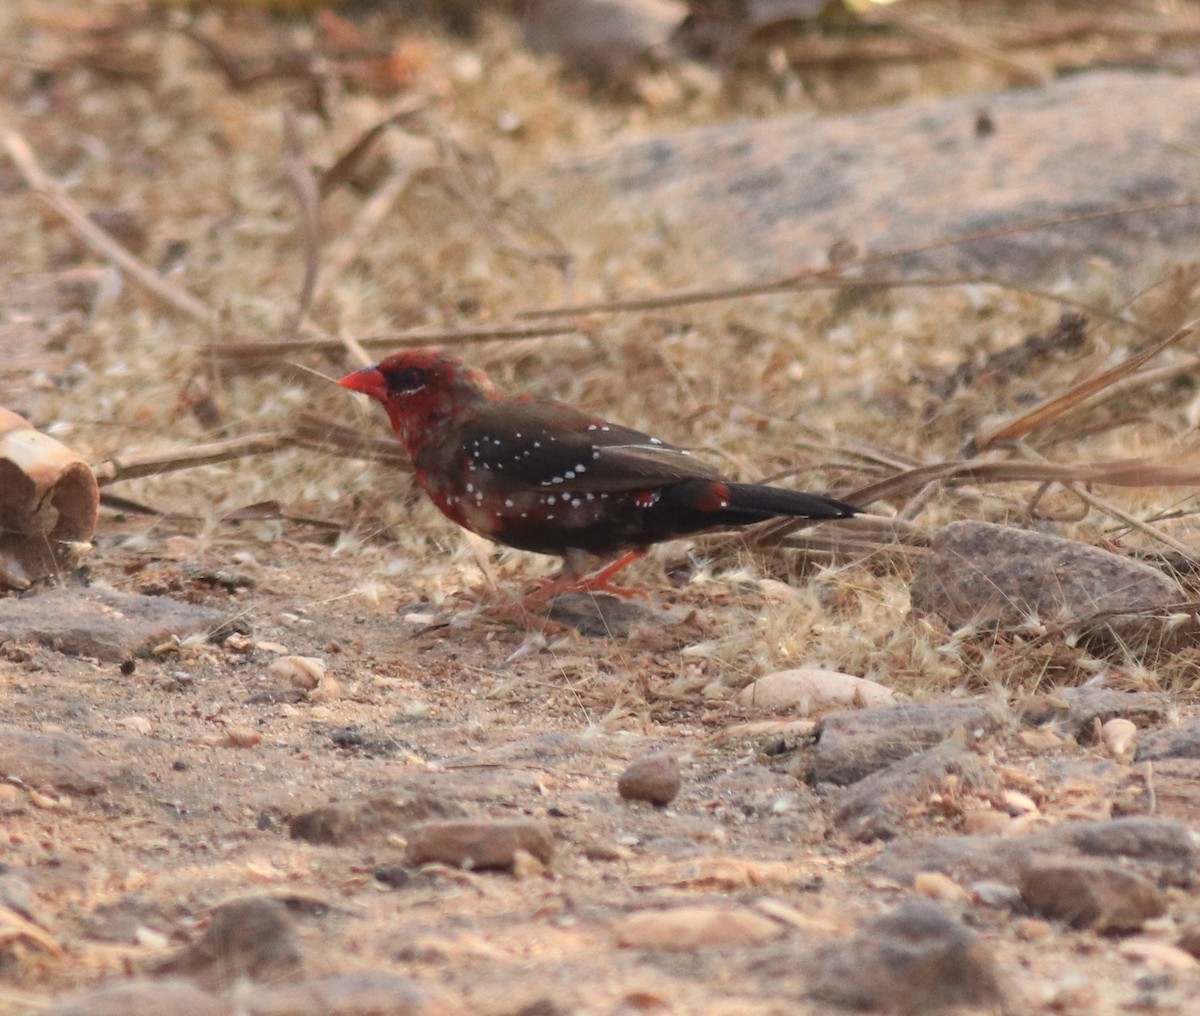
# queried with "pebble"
point(812, 689)
point(1096, 895)
point(695, 927)
point(937, 886)
point(479, 844)
point(300, 671)
point(1155, 953)
point(1119, 737)
point(985, 822)
point(654, 778)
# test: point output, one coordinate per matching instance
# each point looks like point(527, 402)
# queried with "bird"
point(544, 476)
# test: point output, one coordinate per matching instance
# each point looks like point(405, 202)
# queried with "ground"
point(165, 783)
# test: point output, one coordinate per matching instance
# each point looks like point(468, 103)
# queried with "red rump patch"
point(714, 498)
point(646, 498)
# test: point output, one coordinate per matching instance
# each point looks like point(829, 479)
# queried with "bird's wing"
point(554, 446)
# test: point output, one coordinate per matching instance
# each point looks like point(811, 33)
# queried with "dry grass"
point(786, 383)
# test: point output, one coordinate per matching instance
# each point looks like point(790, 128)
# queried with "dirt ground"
point(164, 785)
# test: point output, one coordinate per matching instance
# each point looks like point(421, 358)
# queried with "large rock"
point(917, 958)
point(981, 574)
point(763, 197)
point(102, 623)
point(855, 744)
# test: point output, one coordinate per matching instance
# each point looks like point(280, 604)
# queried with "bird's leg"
point(569, 581)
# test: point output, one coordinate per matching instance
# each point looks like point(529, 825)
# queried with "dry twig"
point(52, 194)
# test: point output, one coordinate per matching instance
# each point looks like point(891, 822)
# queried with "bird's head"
point(421, 389)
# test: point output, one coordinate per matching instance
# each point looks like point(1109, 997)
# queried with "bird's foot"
point(597, 582)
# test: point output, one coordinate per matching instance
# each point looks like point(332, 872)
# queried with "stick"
point(129, 467)
point(52, 194)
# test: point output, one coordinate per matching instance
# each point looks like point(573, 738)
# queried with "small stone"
point(1090, 894)
point(138, 724)
point(937, 886)
point(1032, 929)
point(654, 778)
point(985, 822)
point(481, 844)
point(1156, 954)
point(1000, 895)
point(812, 689)
point(238, 737)
point(914, 959)
point(1189, 936)
point(1119, 737)
point(687, 928)
point(526, 866)
point(303, 672)
point(249, 938)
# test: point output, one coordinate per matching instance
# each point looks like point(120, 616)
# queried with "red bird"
point(545, 477)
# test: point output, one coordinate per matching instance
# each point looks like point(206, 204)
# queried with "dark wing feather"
point(552, 445)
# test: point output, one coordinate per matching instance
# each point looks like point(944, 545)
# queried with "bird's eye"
point(406, 380)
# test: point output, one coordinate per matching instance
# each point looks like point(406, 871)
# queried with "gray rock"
point(854, 744)
point(601, 615)
point(977, 573)
point(914, 959)
point(1075, 710)
point(102, 623)
point(605, 40)
point(1174, 742)
point(376, 994)
point(654, 778)
point(359, 821)
point(53, 761)
point(1162, 850)
point(987, 576)
point(173, 997)
point(249, 938)
point(482, 844)
point(872, 808)
point(768, 196)
point(1097, 895)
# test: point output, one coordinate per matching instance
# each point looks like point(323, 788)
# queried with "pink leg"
point(597, 582)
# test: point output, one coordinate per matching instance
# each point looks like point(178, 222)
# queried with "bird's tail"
point(695, 505)
point(761, 502)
